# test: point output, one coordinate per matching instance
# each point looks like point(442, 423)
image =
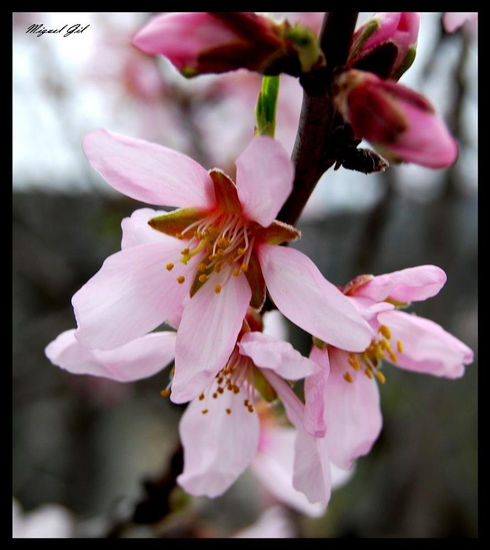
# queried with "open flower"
point(342, 401)
point(399, 122)
point(220, 429)
point(207, 261)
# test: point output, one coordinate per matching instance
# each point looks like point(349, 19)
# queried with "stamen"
point(367, 372)
point(185, 251)
point(399, 346)
point(180, 279)
point(348, 377)
point(354, 361)
point(201, 397)
point(203, 278)
point(228, 411)
point(385, 331)
point(217, 289)
point(380, 376)
point(165, 392)
point(169, 266)
point(205, 411)
point(201, 267)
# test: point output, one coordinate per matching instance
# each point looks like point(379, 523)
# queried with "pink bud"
point(399, 122)
point(216, 42)
point(386, 44)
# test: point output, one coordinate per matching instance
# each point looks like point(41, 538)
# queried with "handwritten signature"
point(40, 30)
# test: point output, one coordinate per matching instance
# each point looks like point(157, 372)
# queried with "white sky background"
point(58, 98)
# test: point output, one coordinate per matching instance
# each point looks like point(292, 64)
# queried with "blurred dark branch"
point(156, 502)
point(314, 149)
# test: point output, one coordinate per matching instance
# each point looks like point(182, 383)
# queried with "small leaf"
point(277, 232)
point(225, 191)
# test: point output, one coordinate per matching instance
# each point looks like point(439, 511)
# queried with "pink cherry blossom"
point(220, 430)
point(342, 401)
point(207, 261)
point(399, 122)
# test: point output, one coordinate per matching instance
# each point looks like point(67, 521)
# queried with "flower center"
point(225, 239)
point(370, 359)
point(236, 377)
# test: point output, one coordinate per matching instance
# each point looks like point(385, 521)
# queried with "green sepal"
point(277, 232)
point(189, 72)
point(225, 191)
point(175, 222)
point(406, 63)
point(263, 387)
point(265, 110)
point(307, 47)
point(370, 27)
point(257, 282)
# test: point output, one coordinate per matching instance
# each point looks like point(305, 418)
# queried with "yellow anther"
point(203, 278)
point(385, 331)
point(220, 390)
point(201, 397)
point(246, 402)
point(380, 376)
point(204, 411)
point(185, 251)
point(367, 372)
point(180, 279)
point(379, 351)
point(223, 242)
point(236, 272)
point(354, 361)
point(217, 289)
point(241, 251)
point(179, 236)
point(169, 266)
point(348, 377)
point(215, 395)
point(165, 393)
point(201, 267)
point(244, 267)
point(228, 411)
point(218, 266)
point(399, 346)
point(235, 388)
point(250, 409)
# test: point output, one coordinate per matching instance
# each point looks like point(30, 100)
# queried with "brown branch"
point(315, 149)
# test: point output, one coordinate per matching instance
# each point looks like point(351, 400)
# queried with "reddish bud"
point(399, 122)
point(386, 44)
point(216, 42)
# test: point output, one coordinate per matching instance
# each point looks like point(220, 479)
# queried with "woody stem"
point(314, 149)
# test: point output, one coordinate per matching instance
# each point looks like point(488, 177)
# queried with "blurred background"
point(88, 451)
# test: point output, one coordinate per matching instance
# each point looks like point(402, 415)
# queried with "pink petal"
point(307, 299)
point(311, 462)
point(208, 332)
point(264, 179)
point(314, 387)
point(131, 294)
point(218, 446)
point(312, 474)
point(182, 36)
point(148, 172)
point(274, 466)
point(369, 309)
point(280, 356)
point(407, 285)
point(136, 231)
point(427, 347)
point(352, 412)
point(138, 359)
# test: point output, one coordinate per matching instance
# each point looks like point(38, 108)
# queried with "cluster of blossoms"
point(206, 267)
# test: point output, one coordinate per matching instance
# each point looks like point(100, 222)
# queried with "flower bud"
point(386, 44)
point(217, 42)
point(399, 122)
